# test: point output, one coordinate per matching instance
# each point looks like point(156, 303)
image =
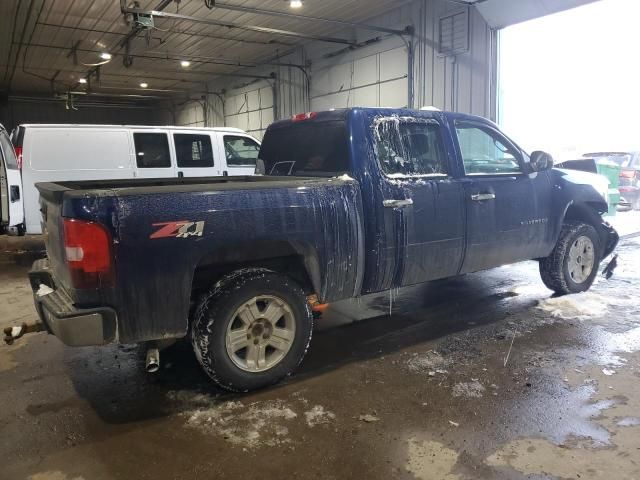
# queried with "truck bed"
point(231, 221)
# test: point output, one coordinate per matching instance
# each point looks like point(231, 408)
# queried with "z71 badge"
point(180, 229)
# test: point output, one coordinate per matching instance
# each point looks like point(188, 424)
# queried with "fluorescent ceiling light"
point(105, 56)
point(295, 3)
point(144, 84)
point(82, 80)
point(185, 63)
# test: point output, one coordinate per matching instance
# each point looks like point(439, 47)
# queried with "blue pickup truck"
point(349, 202)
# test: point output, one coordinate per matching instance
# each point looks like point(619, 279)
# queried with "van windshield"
point(306, 149)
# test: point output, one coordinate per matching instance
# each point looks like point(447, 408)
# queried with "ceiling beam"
point(342, 23)
point(175, 31)
point(251, 28)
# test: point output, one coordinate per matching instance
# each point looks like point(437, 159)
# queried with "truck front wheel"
point(574, 261)
point(252, 329)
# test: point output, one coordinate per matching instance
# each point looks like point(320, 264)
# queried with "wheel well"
point(583, 213)
point(280, 257)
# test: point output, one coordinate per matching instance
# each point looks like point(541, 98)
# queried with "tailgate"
point(52, 229)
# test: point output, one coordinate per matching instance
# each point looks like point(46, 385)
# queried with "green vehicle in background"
point(628, 174)
point(609, 172)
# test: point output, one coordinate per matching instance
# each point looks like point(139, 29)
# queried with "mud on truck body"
point(350, 202)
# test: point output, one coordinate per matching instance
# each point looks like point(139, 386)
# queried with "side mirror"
point(260, 168)
point(540, 161)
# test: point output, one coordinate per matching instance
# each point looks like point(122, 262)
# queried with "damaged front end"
point(609, 238)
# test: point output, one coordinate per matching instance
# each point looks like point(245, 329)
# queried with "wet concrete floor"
point(482, 376)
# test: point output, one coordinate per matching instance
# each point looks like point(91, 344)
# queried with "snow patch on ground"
point(249, 425)
point(430, 361)
point(472, 389)
point(580, 305)
point(318, 415)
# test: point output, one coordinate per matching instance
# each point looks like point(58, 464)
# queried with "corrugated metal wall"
point(374, 75)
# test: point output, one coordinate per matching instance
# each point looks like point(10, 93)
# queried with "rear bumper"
point(73, 326)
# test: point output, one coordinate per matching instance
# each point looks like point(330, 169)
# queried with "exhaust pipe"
point(153, 360)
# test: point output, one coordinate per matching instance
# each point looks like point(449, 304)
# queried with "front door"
point(423, 204)
point(507, 209)
point(11, 203)
point(152, 153)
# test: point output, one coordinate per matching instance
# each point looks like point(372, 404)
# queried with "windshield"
point(306, 149)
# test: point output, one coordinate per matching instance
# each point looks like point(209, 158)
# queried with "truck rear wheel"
point(252, 329)
point(574, 261)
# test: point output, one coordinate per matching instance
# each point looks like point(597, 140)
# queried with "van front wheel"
point(252, 329)
point(573, 264)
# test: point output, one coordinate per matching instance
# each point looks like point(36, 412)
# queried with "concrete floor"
point(483, 376)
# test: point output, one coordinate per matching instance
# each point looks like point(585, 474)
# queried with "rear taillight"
point(87, 247)
point(19, 156)
point(627, 173)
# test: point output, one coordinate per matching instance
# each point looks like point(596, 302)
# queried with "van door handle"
point(478, 197)
point(180, 174)
point(398, 203)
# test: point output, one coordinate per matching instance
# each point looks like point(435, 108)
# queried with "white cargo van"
point(48, 153)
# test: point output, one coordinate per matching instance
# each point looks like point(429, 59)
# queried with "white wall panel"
point(393, 94)
point(393, 64)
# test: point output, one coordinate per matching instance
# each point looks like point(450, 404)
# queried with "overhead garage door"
point(251, 110)
point(376, 80)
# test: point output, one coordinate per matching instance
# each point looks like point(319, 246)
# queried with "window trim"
point(237, 135)
point(155, 132)
point(199, 134)
point(404, 176)
point(482, 126)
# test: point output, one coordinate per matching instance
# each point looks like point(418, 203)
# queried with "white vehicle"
point(49, 153)
point(11, 211)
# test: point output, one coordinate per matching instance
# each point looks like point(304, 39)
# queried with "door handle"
point(478, 197)
point(180, 174)
point(397, 203)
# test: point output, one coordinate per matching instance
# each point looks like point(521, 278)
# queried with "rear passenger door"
point(423, 204)
point(240, 153)
point(152, 154)
point(194, 154)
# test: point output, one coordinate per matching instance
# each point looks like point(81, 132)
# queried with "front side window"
point(152, 150)
point(409, 147)
point(240, 151)
point(193, 151)
point(484, 151)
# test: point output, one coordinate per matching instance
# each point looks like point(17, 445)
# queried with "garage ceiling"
point(37, 40)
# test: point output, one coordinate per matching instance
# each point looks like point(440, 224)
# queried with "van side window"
point(240, 151)
point(193, 151)
point(152, 150)
point(410, 147)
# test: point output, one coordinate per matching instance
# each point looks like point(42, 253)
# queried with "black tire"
point(554, 269)
point(217, 309)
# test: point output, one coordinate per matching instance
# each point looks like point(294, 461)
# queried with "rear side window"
point(240, 151)
point(193, 151)
point(409, 147)
point(152, 150)
point(7, 151)
point(306, 149)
